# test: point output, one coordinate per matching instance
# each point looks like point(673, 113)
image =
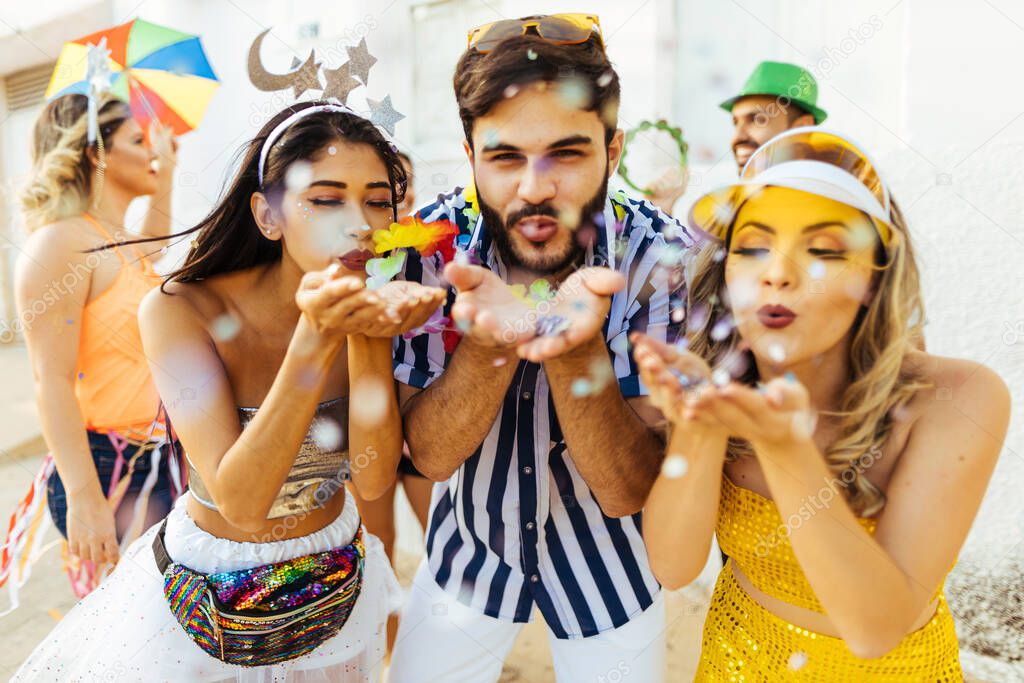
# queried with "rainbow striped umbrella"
point(162, 73)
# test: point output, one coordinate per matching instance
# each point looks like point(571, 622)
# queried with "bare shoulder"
point(200, 301)
point(967, 401)
point(65, 239)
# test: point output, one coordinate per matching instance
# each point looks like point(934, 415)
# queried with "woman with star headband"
point(272, 353)
point(110, 474)
point(841, 466)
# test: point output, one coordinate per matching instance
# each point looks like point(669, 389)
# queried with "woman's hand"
point(336, 305)
point(407, 305)
point(92, 532)
point(769, 416)
point(671, 375)
point(164, 145)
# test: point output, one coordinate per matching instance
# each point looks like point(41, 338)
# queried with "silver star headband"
point(280, 128)
point(338, 83)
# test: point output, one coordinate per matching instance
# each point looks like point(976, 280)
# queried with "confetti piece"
point(373, 395)
point(777, 353)
point(298, 176)
point(675, 466)
point(574, 93)
point(620, 344)
point(721, 329)
point(817, 270)
point(720, 377)
point(719, 255)
point(327, 434)
point(678, 315)
point(500, 361)
point(531, 55)
point(797, 661)
point(332, 150)
point(551, 325)
point(605, 79)
point(511, 91)
point(581, 387)
point(225, 327)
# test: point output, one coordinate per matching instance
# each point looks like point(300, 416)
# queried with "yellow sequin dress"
point(744, 642)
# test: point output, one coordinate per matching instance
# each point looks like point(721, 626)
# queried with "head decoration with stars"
point(336, 85)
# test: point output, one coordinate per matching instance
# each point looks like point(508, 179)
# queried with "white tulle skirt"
point(124, 630)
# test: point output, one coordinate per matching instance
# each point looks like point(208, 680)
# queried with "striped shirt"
point(516, 525)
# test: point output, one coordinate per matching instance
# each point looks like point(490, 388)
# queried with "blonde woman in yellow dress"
point(840, 465)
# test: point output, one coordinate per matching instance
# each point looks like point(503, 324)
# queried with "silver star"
point(361, 60)
point(383, 114)
point(97, 70)
point(307, 77)
point(339, 83)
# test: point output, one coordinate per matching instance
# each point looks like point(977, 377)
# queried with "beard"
point(550, 257)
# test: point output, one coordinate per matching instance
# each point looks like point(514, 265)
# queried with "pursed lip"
point(775, 316)
point(356, 259)
point(537, 228)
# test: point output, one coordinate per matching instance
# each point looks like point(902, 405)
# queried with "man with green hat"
point(777, 96)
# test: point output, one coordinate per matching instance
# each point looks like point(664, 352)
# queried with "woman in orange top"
point(96, 399)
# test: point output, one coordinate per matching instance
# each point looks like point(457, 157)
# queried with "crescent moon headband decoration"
point(338, 84)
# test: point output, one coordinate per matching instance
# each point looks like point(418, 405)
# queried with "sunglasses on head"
point(560, 29)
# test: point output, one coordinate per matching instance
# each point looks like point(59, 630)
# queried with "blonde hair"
point(61, 182)
point(880, 382)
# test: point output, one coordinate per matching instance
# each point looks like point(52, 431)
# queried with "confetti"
point(500, 361)
point(551, 325)
point(327, 434)
point(225, 327)
point(511, 91)
point(720, 377)
point(581, 387)
point(797, 661)
point(777, 353)
point(721, 330)
point(817, 270)
point(298, 176)
point(371, 400)
point(620, 344)
point(678, 314)
point(332, 150)
point(531, 55)
point(675, 466)
point(574, 93)
point(605, 79)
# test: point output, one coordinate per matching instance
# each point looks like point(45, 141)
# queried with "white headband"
point(287, 123)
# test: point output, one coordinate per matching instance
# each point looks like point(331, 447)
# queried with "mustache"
point(528, 211)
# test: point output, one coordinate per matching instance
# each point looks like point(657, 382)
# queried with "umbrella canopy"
point(162, 73)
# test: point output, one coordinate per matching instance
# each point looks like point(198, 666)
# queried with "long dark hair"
point(228, 239)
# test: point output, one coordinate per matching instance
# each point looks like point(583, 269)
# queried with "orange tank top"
point(113, 384)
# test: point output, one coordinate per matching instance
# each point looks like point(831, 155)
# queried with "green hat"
point(779, 79)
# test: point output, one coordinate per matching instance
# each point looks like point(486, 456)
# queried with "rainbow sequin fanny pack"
point(266, 614)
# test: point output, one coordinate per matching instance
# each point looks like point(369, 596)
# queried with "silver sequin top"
point(321, 466)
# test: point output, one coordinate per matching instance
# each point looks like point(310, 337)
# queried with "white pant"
point(440, 640)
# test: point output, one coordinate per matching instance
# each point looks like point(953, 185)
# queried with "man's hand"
point(486, 309)
point(577, 314)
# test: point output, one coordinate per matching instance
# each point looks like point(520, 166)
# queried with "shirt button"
point(534, 578)
point(527, 395)
point(530, 526)
point(527, 470)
